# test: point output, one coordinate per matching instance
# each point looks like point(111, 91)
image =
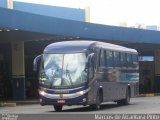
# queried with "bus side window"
point(135, 60)
point(96, 60)
point(116, 59)
point(123, 59)
point(102, 59)
point(129, 60)
point(91, 66)
point(109, 58)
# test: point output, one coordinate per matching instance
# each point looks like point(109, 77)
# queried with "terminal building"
point(26, 29)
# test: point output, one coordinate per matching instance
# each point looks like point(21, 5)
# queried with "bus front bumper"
point(78, 98)
point(81, 100)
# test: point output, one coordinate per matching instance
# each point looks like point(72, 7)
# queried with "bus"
point(87, 73)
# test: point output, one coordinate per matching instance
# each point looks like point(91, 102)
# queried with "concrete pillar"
point(157, 62)
point(18, 68)
point(18, 71)
point(87, 14)
point(10, 4)
point(157, 70)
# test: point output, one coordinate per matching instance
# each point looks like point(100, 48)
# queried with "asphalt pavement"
point(139, 105)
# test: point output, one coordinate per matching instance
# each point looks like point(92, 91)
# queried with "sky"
point(113, 12)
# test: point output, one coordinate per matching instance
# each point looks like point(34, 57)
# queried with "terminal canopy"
point(17, 25)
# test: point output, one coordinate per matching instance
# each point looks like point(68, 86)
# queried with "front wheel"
point(58, 108)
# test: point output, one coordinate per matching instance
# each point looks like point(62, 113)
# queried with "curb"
point(7, 104)
point(149, 95)
point(27, 102)
point(18, 103)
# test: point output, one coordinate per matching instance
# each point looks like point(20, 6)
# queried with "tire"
point(58, 108)
point(125, 101)
point(97, 106)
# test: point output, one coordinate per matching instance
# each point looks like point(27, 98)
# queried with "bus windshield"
point(63, 69)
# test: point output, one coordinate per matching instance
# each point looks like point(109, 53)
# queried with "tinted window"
point(116, 59)
point(129, 60)
point(123, 59)
point(135, 60)
point(109, 58)
point(102, 59)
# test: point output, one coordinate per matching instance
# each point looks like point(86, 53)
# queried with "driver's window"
point(91, 67)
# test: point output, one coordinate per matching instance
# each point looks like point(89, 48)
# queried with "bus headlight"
point(82, 92)
point(42, 93)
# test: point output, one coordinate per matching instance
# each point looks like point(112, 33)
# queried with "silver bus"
point(87, 73)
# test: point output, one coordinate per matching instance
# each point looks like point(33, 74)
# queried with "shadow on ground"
point(89, 109)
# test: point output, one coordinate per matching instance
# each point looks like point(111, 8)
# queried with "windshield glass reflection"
point(63, 69)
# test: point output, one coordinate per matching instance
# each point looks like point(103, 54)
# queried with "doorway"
point(146, 70)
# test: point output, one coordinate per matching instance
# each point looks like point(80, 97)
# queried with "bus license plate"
point(61, 101)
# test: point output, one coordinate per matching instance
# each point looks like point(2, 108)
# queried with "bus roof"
point(82, 46)
point(115, 47)
point(68, 46)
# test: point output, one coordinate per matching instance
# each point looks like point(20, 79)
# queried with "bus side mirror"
point(35, 62)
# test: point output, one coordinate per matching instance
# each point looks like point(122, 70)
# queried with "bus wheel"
point(96, 106)
point(125, 101)
point(58, 108)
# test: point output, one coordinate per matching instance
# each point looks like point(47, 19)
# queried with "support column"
point(87, 14)
point(157, 61)
point(10, 4)
point(18, 71)
point(157, 71)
